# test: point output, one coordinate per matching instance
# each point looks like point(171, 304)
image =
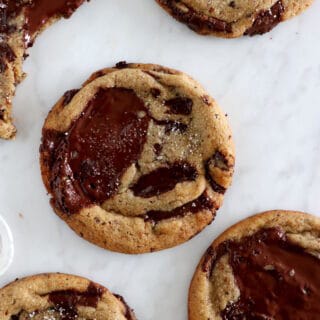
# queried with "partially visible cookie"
point(233, 18)
point(265, 267)
point(20, 22)
point(60, 297)
point(138, 159)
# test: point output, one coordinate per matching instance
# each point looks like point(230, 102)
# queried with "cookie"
point(20, 22)
point(138, 159)
point(233, 18)
point(61, 297)
point(265, 267)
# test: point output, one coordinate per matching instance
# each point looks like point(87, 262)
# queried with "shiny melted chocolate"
point(194, 20)
point(264, 22)
point(66, 302)
point(267, 20)
point(277, 279)
point(90, 159)
point(86, 163)
point(164, 179)
point(204, 202)
point(68, 96)
point(37, 13)
point(41, 11)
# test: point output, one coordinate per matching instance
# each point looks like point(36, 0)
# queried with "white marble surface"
point(269, 86)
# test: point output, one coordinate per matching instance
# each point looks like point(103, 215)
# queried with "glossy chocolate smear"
point(66, 302)
point(164, 179)
point(277, 279)
point(41, 11)
point(196, 21)
point(204, 202)
point(99, 147)
point(37, 12)
point(267, 20)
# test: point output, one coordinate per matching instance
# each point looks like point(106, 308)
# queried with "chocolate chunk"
point(171, 126)
point(155, 92)
point(121, 65)
point(66, 302)
point(267, 20)
point(157, 149)
point(204, 202)
point(276, 278)
point(91, 157)
point(195, 20)
point(180, 105)
point(164, 179)
point(68, 96)
point(174, 126)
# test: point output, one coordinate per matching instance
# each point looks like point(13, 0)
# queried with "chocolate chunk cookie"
point(138, 159)
point(233, 18)
point(60, 297)
point(20, 22)
point(265, 267)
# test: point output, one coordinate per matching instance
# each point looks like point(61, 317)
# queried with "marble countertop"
point(269, 86)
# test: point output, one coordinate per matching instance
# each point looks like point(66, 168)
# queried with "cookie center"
point(276, 278)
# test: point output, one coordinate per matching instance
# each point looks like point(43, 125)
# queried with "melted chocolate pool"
point(90, 159)
point(277, 279)
point(66, 302)
point(37, 13)
point(267, 20)
point(41, 11)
